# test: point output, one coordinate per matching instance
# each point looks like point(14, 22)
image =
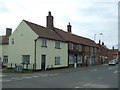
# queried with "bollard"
point(75, 65)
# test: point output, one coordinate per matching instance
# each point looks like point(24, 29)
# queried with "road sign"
point(19, 68)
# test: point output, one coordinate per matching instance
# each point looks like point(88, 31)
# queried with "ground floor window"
point(79, 59)
point(26, 59)
point(57, 60)
point(5, 59)
point(71, 59)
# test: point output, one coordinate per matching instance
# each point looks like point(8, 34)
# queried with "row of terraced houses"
point(43, 48)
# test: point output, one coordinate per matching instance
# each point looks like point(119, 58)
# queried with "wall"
point(23, 44)
point(51, 53)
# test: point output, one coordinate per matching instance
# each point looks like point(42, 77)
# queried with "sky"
point(88, 18)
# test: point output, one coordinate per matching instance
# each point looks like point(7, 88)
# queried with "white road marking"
point(115, 71)
point(94, 85)
point(35, 76)
point(28, 77)
point(2, 75)
point(110, 68)
point(76, 87)
point(6, 80)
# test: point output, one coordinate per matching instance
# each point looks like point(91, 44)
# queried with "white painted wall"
point(51, 53)
point(23, 44)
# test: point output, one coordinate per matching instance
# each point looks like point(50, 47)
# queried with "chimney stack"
point(113, 47)
point(69, 28)
point(8, 32)
point(50, 20)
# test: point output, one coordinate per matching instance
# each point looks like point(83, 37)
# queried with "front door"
point(43, 61)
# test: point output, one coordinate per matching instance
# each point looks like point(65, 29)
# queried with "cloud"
point(87, 17)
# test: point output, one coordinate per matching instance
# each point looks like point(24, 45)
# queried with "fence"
point(25, 66)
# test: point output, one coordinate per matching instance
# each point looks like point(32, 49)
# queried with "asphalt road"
point(97, 77)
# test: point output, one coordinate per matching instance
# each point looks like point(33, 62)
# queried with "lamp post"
point(97, 34)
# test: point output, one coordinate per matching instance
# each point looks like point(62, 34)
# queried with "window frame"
point(57, 45)
point(44, 43)
point(57, 60)
point(27, 61)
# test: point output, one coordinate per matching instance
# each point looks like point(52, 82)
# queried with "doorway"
point(43, 62)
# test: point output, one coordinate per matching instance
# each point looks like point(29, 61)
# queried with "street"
point(102, 76)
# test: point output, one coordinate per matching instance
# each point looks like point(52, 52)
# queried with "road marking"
point(6, 80)
point(110, 68)
point(2, 75)
point(28, 77)
point(94, 85)
point(115, 71)
point(35, 76)
point(76, 87)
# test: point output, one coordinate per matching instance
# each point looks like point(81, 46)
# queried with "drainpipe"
point(35, 55)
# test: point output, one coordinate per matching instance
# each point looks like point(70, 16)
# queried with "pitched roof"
point(76, 39)
point(4, 40)
point(103, 46)
point(44, 32)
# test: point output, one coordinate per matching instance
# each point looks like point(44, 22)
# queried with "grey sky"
point(86, 17)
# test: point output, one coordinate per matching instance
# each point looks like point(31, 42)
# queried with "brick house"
point(105, 54)
point(115, 53)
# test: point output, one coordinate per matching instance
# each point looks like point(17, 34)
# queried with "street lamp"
point(97, 34)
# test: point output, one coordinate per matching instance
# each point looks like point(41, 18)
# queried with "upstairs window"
point(91, 49)
point(87, 49)
point(79, 48)
point(12, 41)
point(57, 44)
point(44, 43)
point(70, 46)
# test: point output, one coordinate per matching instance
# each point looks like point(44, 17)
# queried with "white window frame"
point(57, 60)
point(57, 45)
point(44, 42)
point(5, 59)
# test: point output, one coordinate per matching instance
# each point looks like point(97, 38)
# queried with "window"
point(87, 49)
point(57, 60)
point(44, 43)
point(79, 48)
point(26, 59)
point(5, 59)
point(91, 49)
point(95, 50)
point(12, 41)
point(70, 46)
point(71, 60)
point(57, 44)
point(79, 59)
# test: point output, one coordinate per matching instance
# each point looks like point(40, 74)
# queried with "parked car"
point(116, 60)
point(112, 62)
